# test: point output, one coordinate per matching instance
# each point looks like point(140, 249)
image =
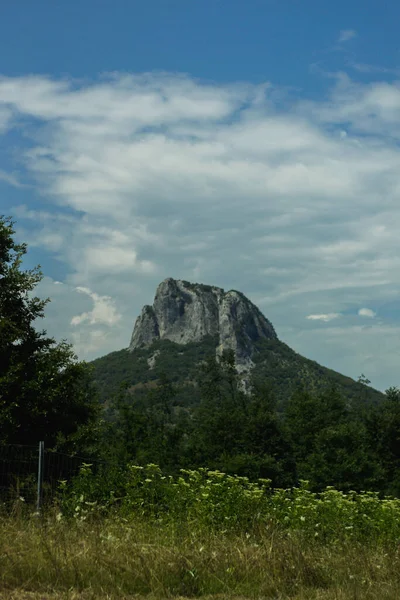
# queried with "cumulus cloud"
point(103, 312)
point(240, 186)
point(92, 323)
point(367, 312)
point(87, 342)
point(324, 317)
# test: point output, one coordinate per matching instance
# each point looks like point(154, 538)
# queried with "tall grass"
point(115, 558)
point(203, 534)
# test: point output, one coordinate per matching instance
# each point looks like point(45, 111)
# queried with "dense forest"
point(298, 421)
point(321, 437)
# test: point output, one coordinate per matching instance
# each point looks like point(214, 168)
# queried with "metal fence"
point(33, 473)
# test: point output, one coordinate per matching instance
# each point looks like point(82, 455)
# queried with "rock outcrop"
point(184, 312)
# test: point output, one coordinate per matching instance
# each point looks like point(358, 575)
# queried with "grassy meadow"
point(202, 534)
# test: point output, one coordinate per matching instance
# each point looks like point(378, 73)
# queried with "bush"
point(219, 502)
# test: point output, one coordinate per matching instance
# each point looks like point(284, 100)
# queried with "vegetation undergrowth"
point(220, 502)
point(116, 557)
point(202, 533)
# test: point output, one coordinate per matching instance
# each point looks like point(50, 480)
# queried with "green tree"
point(385, 432)
point(164, 430)
point(270, 453)
point(219, 420)
point(331, 441)
point(364, 380)
point(45, 392)
point(304, 420)
point(343, 457)
point(145, 428)
point(125, 430)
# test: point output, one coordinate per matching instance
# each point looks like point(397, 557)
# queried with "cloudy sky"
point(249, 144)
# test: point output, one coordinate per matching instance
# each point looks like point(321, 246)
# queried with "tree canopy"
point(45, 392)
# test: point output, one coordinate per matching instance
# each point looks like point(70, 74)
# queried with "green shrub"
point(219, 502)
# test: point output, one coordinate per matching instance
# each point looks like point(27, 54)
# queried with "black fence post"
point(40, 477)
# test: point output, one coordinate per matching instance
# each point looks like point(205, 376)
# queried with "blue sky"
point(224, 40)
point(252, 145)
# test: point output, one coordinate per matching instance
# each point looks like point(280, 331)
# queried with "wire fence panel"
point(18, 472)
point(28, 473)
point(61, 467)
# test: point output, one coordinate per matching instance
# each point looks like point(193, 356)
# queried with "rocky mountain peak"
point(186, 312)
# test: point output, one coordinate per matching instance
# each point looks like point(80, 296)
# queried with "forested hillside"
point(275, 364)
point(285, 430)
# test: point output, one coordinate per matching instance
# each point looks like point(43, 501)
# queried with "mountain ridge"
point(189, 322)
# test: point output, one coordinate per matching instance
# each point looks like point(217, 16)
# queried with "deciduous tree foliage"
point(45, 392)
point(318, 436)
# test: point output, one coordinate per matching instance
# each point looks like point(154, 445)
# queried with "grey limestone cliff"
point(185, 312)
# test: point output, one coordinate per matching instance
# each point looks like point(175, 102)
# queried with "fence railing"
point(33, 473)
point(18, 472)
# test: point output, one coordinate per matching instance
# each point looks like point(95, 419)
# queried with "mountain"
point(184, 312)
point(187, 323)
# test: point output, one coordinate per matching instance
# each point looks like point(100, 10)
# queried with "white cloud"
point(373, 69)
point(324, 317)
point(346, 35)
point(5, 118)
point(92, 335)
point(103, 312)
point(367, 312)
point(53, 242)
point(90, 341)
point(236, 185)
point(11, 179)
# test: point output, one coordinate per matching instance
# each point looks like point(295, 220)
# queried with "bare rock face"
point(146, 328)
point(240, 325)
point(185, 312)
